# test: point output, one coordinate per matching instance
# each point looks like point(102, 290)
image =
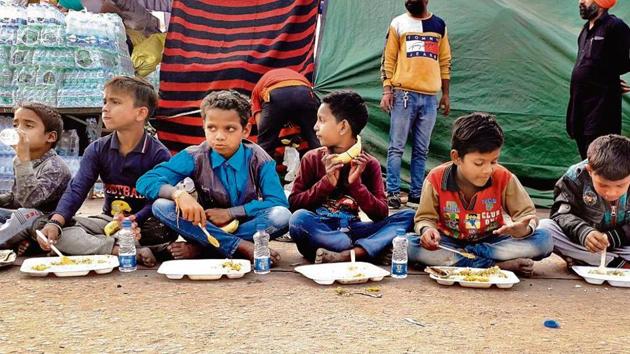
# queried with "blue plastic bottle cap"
point(552, 324)
point(260, 227)
point(126, 223)
point(400, 231)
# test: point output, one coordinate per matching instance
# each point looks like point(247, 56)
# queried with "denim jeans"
point(276, 219)
point(489, 251)
point(416, 112)
point(311, 231)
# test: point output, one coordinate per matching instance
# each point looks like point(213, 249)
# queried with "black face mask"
point(589, 12)
point(416, 8)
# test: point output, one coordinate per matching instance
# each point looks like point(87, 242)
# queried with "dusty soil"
point(285, 312)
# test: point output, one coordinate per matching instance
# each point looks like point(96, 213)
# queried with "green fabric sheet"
point(512, 58)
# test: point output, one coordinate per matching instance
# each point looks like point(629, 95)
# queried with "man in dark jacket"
point(603, 56)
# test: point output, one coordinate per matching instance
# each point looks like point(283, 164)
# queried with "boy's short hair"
point(49, 116)
point(476, 132)
point(348, 105)
point(141, 90)
point(609, 157)
point(227, 100)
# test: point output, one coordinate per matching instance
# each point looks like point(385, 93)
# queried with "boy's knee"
point(162, 207)
point(545, 241)
point(297, 223)
point(405, 215)
point(279, 216)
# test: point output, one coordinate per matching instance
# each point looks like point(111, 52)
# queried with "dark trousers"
point(583, 141)
point(297, 104)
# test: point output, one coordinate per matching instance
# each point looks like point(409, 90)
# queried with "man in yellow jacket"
point(416, 65)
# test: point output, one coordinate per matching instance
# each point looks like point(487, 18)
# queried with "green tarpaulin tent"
point(512, 58)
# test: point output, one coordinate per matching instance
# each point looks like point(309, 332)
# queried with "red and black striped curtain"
point(227, 44)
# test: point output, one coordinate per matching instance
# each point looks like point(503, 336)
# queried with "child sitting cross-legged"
point(234, 179)
point(331, 187)
point(591, 209)
point(464, 203)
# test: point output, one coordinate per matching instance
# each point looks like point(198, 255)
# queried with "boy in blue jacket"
point(234, 179)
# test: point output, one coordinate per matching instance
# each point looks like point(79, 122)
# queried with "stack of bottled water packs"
point(59, 60)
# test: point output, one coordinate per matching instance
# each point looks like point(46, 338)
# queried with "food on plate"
point(40, 267)
point(481, 275)
point(613, 272)
point(231, 265)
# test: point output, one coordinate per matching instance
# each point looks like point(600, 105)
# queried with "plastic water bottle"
point(9, 137)
point(399, 255)
point(74, 143)
point(127, 250)
point(262, 261)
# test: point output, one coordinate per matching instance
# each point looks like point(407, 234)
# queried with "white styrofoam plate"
point(344, 272)
point(598, 279)
point(500, 282)
point(101, 264)
point(203, 269)
point(7, 257)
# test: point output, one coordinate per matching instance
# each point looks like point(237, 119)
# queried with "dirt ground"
point(284, 312)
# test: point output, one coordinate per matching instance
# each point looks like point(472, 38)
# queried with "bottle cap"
point(126, 223)
point(260, 227)
point(400, 232)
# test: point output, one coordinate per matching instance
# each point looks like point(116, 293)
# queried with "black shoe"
point(393, 200)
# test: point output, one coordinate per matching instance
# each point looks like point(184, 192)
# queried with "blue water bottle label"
point(399, 269)
point(262, 264)
point(127, 261)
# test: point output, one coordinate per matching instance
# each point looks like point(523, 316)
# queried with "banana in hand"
point(353, 152)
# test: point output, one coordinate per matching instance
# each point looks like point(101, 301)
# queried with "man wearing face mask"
point(416, 65)
point(603, 56)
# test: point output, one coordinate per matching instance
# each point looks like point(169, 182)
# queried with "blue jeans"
point(276, 219)
point(489, 251)
point(418, 114)
point(311, 231)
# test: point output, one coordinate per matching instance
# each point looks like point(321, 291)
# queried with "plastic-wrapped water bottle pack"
point(59, 60)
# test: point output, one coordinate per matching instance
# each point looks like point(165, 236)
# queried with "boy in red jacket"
point(328, 193)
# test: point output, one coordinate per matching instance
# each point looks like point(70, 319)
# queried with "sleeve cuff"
point(237, 212)
point(583, 232)
point(166, 191)
point(614, 238)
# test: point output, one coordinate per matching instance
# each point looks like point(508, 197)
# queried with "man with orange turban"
point(596, 88)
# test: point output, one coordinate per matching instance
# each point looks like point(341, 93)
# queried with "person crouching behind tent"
point(279, 97)
point(463, 204)
point(591, 210)
point(336, 180)
point(235, 180)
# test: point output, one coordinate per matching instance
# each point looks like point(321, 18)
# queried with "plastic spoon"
point(602, 262)
point(352, 256)
point(213, 240)
point(45, 239)
point(462, 253)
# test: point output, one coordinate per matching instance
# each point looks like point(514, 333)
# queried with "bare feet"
point(246, 249)
point(325, 256)
point(145, 257)
point(521, 266)
point(184, 250)
point(22, 247)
